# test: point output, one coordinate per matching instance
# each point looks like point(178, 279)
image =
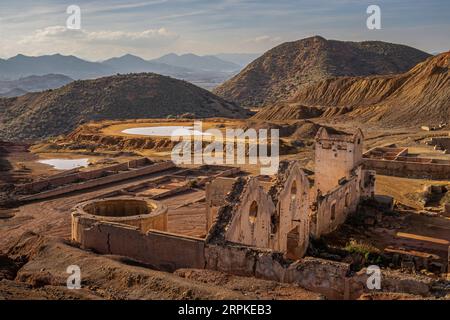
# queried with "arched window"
point(253, 212)
point(333, 212)
point(347, 200)
point(294, 190)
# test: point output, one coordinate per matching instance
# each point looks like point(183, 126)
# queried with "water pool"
point(66, 164)
point(165, 131)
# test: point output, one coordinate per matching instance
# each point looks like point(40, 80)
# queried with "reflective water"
point(165, 131)
point(66, 164)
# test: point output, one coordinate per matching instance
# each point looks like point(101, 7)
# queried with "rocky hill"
point(283, 70)
point(288, 112)
point(419, 96)
point(145, 95)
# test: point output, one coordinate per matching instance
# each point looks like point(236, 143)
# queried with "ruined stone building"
point(218, 218)
point(278, 213)
point(274, 215)
point(283, 215)
point(340, 181)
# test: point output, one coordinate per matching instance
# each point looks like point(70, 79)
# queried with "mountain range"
point(206, 71)
point(21, 86)
point(241, 59)
point(372, 81)
point(203, 63)
point(279, 73)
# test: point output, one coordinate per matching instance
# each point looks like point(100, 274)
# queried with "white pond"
point(165, 131)
point(66, 164)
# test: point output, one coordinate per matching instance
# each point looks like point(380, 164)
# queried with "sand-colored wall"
point(332, 279)
point(409, 169)
point(162, 250)
point(138, 212)
point(335, 159)
point(292, 207)
point(441, 142)
point(243, 228)
point(344, 199)
point(66, 184)
point(215, 193)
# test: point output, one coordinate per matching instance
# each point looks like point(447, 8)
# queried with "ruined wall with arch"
point(251, 222)
point(275, 218)
point(290, 195)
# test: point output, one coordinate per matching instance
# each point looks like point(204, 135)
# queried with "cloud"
point(147, 38)
point(264, 39)
point(122, 6)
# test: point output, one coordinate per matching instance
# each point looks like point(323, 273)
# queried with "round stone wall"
point(137, 212)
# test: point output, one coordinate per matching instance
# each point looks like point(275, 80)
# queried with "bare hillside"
point(421, 95)
point(285, 69)
point(133, 96)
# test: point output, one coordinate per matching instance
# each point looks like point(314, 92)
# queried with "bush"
point(364, 249)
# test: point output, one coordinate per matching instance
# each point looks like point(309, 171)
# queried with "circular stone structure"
point(142, 213)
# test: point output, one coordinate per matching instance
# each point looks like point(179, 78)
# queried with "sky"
point(152, 28)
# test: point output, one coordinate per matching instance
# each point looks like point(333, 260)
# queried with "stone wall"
point(335, 158)
point(141, 213)
point(333, 208)
point(215, 194)
point(332, 279)
point(278, 219)
point(161, 250)
point(441, 143)
point(408, 169)
point(68, 184)
point(290, 194)
point(252, 216)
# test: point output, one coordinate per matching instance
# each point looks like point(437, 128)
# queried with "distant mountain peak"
point(196, 62)
point(18, 56)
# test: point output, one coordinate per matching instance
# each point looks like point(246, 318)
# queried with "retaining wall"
point(161, 250)
point(406, 169)
point(69, 185)
point(332, 279)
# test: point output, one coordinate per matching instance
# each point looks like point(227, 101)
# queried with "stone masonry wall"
point(409, 169)
point(162, 250)
point(70, 187)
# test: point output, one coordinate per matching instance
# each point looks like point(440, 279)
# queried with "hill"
point(55, 112)
point(419, 96)
point(288, 112)
point(283, 70)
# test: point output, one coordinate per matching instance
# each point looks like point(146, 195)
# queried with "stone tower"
point(336, 156)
